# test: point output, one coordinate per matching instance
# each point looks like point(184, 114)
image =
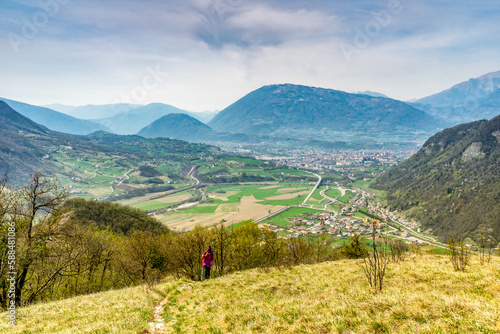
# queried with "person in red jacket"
point(207, 258)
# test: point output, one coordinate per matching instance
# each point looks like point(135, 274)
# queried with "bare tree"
point(7, 202)
point(35, 218)
point(397, 250)
point(221, 244)
point(273, 248)
point(482, 246)
point(460, 253)
point(374, 265)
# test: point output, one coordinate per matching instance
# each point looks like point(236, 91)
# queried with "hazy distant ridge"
point(475, 99)
point(54, 120)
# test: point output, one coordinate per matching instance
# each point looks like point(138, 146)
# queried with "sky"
point(206, 54)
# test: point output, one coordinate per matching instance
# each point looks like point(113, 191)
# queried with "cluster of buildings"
point(378, 209)
point(328, 160)
point(341, 226)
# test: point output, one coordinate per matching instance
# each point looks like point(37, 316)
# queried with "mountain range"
point(302, 112)
point(93, 111)
point(289, 112)
point(22, 145)
point(452, 185)
point(306, 113)
point(27, 147)
point(132, 121)
point(475, 99)
point(54, 120)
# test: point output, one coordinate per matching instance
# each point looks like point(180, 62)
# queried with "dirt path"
point(159, 325)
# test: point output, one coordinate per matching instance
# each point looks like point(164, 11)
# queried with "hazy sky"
point(205, 54)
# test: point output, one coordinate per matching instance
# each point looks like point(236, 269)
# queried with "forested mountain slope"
point(452, 185)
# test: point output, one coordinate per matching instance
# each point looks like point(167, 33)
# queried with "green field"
point(224, 202)
point(361, 215)
point(153, 205)
point(280, 220)
point(316, 197)
point(348, 195)
point(199, 209)
point(239, 191)
point(334, 193)
point(365, 185)
point(247, 161)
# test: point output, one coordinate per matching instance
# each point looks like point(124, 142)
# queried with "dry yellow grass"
point(421, 295)
point(270, 187)
point(121, 311)
point(232, 207)
point(224, 197)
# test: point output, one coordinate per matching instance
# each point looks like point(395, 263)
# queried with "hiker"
point(208, 259)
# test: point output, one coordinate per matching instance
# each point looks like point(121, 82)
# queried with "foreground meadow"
point(421, 295)
point(121, 311)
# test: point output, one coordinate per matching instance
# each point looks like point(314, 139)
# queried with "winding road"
point(313, 189)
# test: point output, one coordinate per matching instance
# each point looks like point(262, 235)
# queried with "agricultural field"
point(152, 202)
point(235, 203)
point(349, 195)
point(281, 219)
point(316, 197)
point(333, 193)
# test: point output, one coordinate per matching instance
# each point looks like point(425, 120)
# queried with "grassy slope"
point(421, 295)
point(121, 311)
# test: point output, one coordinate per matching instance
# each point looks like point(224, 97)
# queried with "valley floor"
point(421, 295)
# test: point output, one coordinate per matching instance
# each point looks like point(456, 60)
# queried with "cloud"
point(216, 51)
point(261, 25)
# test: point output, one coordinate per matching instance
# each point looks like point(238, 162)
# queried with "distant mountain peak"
point(132, 121)
point(177, 126)
point(466, 91)
point(471, 100)
point(491, 75)
point(12, 120)
point(372, 94)
point(303, 112)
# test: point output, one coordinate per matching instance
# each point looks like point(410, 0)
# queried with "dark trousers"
point(207, 272)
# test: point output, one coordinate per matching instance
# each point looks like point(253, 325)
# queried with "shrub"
point(460, 253)
point(355, 248)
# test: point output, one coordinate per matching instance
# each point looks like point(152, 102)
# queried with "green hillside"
point(303, 112)
point(452, 185)
point(90, 164)
point(178, 126)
